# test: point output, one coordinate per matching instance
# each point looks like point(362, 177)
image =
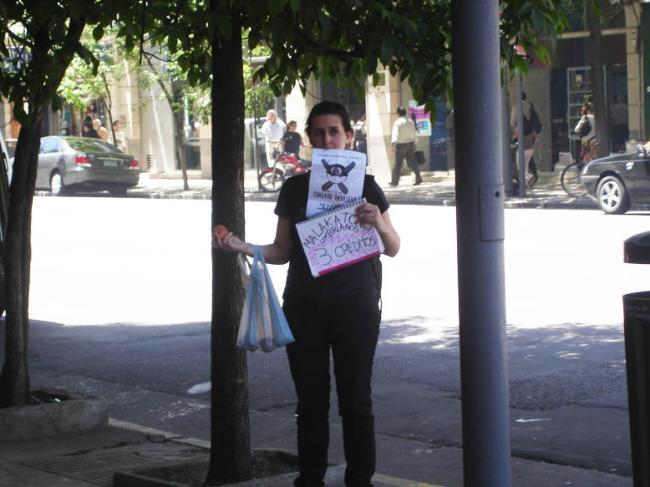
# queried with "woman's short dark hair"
point(329, 108)
point(401, 111)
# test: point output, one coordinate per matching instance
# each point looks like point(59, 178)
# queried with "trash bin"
point(636, 310)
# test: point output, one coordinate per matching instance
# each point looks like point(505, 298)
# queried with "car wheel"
point(121, 191)
point(57, 187)
point(612, 196)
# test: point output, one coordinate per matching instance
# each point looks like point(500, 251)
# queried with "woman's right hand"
point(229, 242)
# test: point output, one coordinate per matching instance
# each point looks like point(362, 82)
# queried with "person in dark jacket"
point(88, 130)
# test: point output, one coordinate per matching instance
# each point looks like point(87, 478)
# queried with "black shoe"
point(298, 482)
point(393, 184)
point(417, 181)
point(532, 181)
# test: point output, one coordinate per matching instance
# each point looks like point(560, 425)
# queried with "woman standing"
point(337, 313)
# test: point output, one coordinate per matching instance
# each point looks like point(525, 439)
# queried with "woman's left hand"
point(369, 214)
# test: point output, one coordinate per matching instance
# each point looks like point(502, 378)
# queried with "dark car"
point(67, 164)
point(619, 181)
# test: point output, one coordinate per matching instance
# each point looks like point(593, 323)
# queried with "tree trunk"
point(230, 457)
point(14, 379)
point(598, 78)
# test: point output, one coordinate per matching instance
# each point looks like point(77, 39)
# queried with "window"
point(49, 145)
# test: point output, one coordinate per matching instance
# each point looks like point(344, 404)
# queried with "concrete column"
point(381, 104)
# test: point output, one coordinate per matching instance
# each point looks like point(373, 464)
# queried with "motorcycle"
point(286, 165)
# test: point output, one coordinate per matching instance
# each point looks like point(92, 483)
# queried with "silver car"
point(66, 164)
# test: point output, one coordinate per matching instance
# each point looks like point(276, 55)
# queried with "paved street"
point(121, 300)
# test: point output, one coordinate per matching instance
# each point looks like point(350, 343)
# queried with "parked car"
point(67, 164)
point(619, 181)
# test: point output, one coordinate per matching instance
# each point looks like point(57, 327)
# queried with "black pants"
point(351, 332)
point(405, 151)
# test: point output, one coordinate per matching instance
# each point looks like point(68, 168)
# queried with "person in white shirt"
point(273, 130)
point(403, 142)
point(120, 137)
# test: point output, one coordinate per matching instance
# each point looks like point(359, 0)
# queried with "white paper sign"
point(336, 179)
point(335, 240)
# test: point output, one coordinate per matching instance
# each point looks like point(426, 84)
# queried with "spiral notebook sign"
point(335, 240)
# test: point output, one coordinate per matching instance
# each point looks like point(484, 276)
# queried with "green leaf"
point(538, 20)
point(276, 6)
point(172, 43)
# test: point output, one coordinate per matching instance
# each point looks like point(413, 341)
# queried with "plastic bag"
point(263, 325)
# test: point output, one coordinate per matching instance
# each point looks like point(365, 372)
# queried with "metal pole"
point(521, 162)
point(480, 234)
point(505, 145)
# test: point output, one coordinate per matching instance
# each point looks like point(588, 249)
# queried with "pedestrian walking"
point(403, 139)
point(532, 130)
point(336, 313)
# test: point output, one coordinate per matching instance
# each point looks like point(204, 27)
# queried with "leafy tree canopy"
point(38, 44)
point(87, 78)
point(344, 40)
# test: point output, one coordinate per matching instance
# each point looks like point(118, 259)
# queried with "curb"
point(333, 471)
point(71, 413)
point(540, 202)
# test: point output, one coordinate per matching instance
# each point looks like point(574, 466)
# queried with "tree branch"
point(164, 89)
point(19, 40)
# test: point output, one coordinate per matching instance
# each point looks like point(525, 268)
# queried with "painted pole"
point(480, 234)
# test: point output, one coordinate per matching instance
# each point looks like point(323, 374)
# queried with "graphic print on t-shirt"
point(336, 179)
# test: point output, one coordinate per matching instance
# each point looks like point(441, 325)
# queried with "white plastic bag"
point(263, 325)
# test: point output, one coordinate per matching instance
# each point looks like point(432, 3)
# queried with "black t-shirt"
point(357, 282)
point(91, 133)
point(292, 142)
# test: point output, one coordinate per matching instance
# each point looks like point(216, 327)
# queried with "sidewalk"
point(437, 189)
point(91, 458)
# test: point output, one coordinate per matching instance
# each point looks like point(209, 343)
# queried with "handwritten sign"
point(335, 240)
point(336, 179)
